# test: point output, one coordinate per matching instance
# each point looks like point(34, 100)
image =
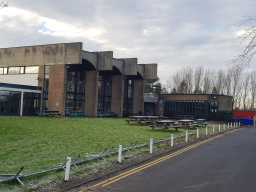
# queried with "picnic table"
point(166, 124)
point(186, 123)
point(200, 123)
point(143, 119)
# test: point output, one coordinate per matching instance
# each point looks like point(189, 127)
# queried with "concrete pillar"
point(21, 103)
point(138, 97)
point(91, 93)
point(56, 92)
point(117, 95)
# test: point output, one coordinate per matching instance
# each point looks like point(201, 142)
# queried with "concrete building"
point(205, 106)
point(68, 80)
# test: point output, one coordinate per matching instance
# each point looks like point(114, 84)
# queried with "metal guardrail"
point(170, 141)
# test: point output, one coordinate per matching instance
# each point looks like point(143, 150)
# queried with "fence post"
point(197, 133)
point(219, 128)
point(119, 157)
point(67, 169)
point(186, 138)
point(228, 125)
point(206, 131)
point(151, 143)
point(224, 127)
point(213, 129)
point(172, 140)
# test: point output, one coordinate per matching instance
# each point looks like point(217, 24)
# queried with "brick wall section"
point(117, 94)
point(138, 98)
point(56, 88)
point(91, 93)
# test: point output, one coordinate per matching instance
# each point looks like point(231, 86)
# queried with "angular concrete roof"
point(72, 53)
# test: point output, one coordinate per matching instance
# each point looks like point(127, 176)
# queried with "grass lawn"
point(38, 143)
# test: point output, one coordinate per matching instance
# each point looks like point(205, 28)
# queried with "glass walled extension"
point(14, 104)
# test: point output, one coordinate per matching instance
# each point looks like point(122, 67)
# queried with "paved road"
point(225, 164)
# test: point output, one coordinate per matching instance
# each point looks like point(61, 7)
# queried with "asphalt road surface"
point(225, 164)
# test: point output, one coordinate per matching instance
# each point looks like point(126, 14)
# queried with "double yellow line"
point(123, 175)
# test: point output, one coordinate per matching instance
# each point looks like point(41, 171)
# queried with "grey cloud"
point(173, 33)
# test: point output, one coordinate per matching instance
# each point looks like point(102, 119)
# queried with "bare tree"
point(182, 81)
point(198, 77)
point(245, 90)
point(207, 82)
point(253, 89)
point(235, 73)
point(177, 79)
point(188, 78)
point(227, 83)
point(219, 82)
point(250, 37)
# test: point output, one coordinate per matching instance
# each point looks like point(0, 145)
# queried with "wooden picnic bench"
point(142, 119)
point(166, 124)
point(186, 123)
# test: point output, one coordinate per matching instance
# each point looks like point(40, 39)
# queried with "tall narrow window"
point(128, 101)
point(75, 92)
point(104, 94)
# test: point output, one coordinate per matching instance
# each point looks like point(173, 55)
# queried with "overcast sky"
point(172, 33)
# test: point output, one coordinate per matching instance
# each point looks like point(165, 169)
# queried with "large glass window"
point(9, 103)
point(19, 70)
point(75, 92)
point(31, 104)
point(104, 94)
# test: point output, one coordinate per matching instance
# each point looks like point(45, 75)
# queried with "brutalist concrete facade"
point(74, 81)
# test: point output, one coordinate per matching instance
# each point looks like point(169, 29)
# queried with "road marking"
point(133, 171)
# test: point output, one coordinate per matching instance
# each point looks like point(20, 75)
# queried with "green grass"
point(37, 143)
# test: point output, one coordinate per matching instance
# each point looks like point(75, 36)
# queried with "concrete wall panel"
point(130, 67)
point(56, 93)
point(117, 94)
point(150, 71)
point(91, 93)
point(63, 53)
point(105, 60)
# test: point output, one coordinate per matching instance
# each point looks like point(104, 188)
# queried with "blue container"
point(246, 122)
